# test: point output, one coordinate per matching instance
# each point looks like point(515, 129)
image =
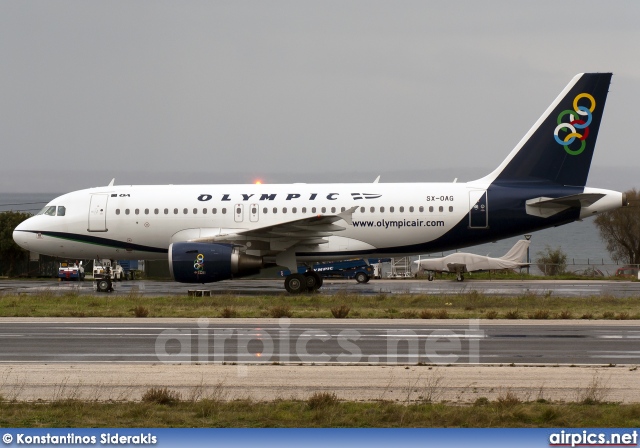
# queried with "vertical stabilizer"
point(559, 147)
point(517, 252)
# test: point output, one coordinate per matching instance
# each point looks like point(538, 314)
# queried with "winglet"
point(348, 214)
point(112, 182)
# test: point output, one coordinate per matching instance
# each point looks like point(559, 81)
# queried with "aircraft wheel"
point(313, 280)
point(460, 278)
point(361, 277)
point(430, 277)
point(102, 286)
point(295, 283)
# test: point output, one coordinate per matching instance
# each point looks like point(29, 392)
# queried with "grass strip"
point(467, 305)
point(322, 413)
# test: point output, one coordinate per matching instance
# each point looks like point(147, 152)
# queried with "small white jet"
point(208, 233)
point(462, 262)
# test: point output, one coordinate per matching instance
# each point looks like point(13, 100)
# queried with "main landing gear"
point(300, 283)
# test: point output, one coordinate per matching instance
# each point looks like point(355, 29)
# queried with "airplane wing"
point(545, 207)
point(306, 231)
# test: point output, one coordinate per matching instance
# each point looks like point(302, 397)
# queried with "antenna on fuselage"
point(111, 183)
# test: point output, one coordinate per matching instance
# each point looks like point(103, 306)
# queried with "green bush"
point(280, 311)
point(552, 261)
point(340, 312)
point(161, 395)
point(321, 400)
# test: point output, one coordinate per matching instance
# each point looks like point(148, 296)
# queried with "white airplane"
point(210, 233)
point(462, 262)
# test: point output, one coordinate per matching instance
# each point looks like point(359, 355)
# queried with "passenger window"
point(381, 209)
point(175, 211)
point(214, 211)
point(185, 211)
point(166, 211)
point(224, 211)
point(361, 209)
point(333, 209)
point(421, 209)
point(372, 209)
point(323, 209)
point(451, 208)
point(304, 209)
point(117, 211)
point(313, 210)
point(264, 210)
point(294, 210)
point(275, 210)
point(51, 211)
point(411, 209)
point(343, 209)
point(146, 211)
point(431, 208)
point(204, 211)
point(156, 211)
point(61, 210)
point(195, 211)
point(441, 208)
point(137, 211)
point(284, 209)
point(126, 211)
point(401, 209)
point(391, 209)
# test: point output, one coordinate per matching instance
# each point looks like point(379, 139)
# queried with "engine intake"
point(206, 263)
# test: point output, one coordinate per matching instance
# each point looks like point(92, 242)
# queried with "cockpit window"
point(50, 210)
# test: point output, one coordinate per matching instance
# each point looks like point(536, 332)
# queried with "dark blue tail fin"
point(559, 147)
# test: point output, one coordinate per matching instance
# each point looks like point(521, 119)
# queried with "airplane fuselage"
point(139, 222)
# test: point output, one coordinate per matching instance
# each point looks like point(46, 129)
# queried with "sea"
point(579, 240)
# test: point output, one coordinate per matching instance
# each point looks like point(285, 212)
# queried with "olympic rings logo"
point(198, 264)
point(578, 126)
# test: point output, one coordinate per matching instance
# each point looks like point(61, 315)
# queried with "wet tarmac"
point(562, 288)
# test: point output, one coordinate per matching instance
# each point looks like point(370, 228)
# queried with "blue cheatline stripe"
point(98, 241)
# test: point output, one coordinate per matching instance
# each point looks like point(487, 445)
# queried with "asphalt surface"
point(267, 359)
point(562, 288)
point(318, 341)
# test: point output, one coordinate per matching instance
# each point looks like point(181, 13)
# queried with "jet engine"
point(206, 262)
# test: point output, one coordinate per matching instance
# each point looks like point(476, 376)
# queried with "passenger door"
point(98, 212)
point(479, 210)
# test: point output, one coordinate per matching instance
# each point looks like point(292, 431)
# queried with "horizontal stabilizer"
point(545, 207)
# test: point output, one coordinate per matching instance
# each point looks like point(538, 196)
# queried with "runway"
point(559, 288)
point(411, 361)
point(267, 359)
point(318, 341)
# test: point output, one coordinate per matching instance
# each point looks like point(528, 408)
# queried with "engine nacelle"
point(206, 262)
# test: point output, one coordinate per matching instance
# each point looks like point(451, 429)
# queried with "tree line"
point(10, 252)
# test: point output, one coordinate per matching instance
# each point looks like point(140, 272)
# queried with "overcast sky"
point(209, 92)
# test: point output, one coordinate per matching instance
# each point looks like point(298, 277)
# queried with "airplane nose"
point(20, 235)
